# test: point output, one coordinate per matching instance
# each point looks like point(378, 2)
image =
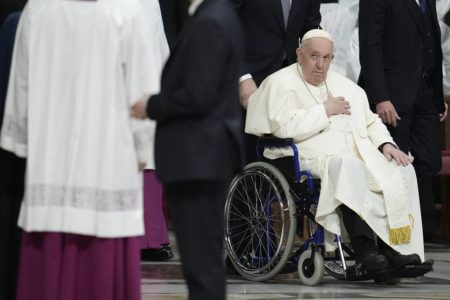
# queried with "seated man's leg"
point(363, 242)
point(373, 256)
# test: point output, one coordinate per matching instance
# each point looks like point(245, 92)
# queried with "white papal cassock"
point(343, 151)
point(68, 112)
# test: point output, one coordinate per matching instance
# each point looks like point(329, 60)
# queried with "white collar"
point(194, 5)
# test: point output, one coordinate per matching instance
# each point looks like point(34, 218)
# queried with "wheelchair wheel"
point(260, 222)
point(310, 270)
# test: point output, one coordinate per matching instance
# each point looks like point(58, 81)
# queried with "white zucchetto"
point(316, 33)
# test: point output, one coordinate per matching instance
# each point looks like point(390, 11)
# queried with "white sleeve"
point(145, 51)
point(291, 120)
point(445, 38)
point(278, 109)
point(303, 123)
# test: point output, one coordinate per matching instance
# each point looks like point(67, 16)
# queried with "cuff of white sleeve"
point(245, 77)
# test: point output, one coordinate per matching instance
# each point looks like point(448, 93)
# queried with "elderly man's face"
point(314, 58)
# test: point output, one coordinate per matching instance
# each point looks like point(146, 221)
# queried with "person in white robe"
point(339, 22)
point(353, 65)
point(78, 67)
point(352, 6)
point(344, 144)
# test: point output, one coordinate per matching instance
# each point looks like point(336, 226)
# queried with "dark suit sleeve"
point(7, 37)
point(372, 20)
point(236, 4)
point(313, 17)
point(206, 55)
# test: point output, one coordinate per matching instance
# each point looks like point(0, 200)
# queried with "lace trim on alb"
point(82, 198)
point(142, 138)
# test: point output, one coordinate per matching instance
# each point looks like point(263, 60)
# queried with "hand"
point(139, 110)
point(141, 167)
point(391, 152)
point(337, 106)
point(246, 88)
point(387, 113)
point(444, 114)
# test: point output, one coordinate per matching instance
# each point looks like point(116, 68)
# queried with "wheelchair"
point(263, 206)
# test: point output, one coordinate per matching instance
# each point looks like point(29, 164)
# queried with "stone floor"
point(164, 281)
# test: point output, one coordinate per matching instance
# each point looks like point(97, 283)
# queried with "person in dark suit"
point(12, 173)
point(174, 14)
point(198, 142)
point(271, 29)
point(401, 72)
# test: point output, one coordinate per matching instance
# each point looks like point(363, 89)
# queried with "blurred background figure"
point(12, 174)
point(155, 244)
point(174, 13)
point(197, 146)
point(351, 5)
point(401, 72)
point(77, 68)
point(339, 22)
point(353, 65)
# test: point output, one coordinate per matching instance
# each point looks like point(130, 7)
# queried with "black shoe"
point(371, 261)
point(398, 261)
point(155, 255)
point(367, 257)
point(166, 248)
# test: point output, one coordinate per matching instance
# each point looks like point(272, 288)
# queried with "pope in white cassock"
point(346, 145)
point(78, 67)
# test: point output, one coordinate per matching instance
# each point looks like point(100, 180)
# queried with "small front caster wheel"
point(311, 270)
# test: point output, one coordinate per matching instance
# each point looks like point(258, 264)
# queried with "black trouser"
point(197, 209)
point(12, 174)
point(360, 234)
point(419, 132)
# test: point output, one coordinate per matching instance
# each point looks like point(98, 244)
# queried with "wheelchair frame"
point(266, 259)
point(260, 243)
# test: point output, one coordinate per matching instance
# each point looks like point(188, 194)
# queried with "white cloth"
point(341, 150)
point(339, 22)
point(352, 6)
point(77, 68)
point(445, 39)
point(353, 65)
point(193, 7)
point(442, 7)
point(160, 52)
